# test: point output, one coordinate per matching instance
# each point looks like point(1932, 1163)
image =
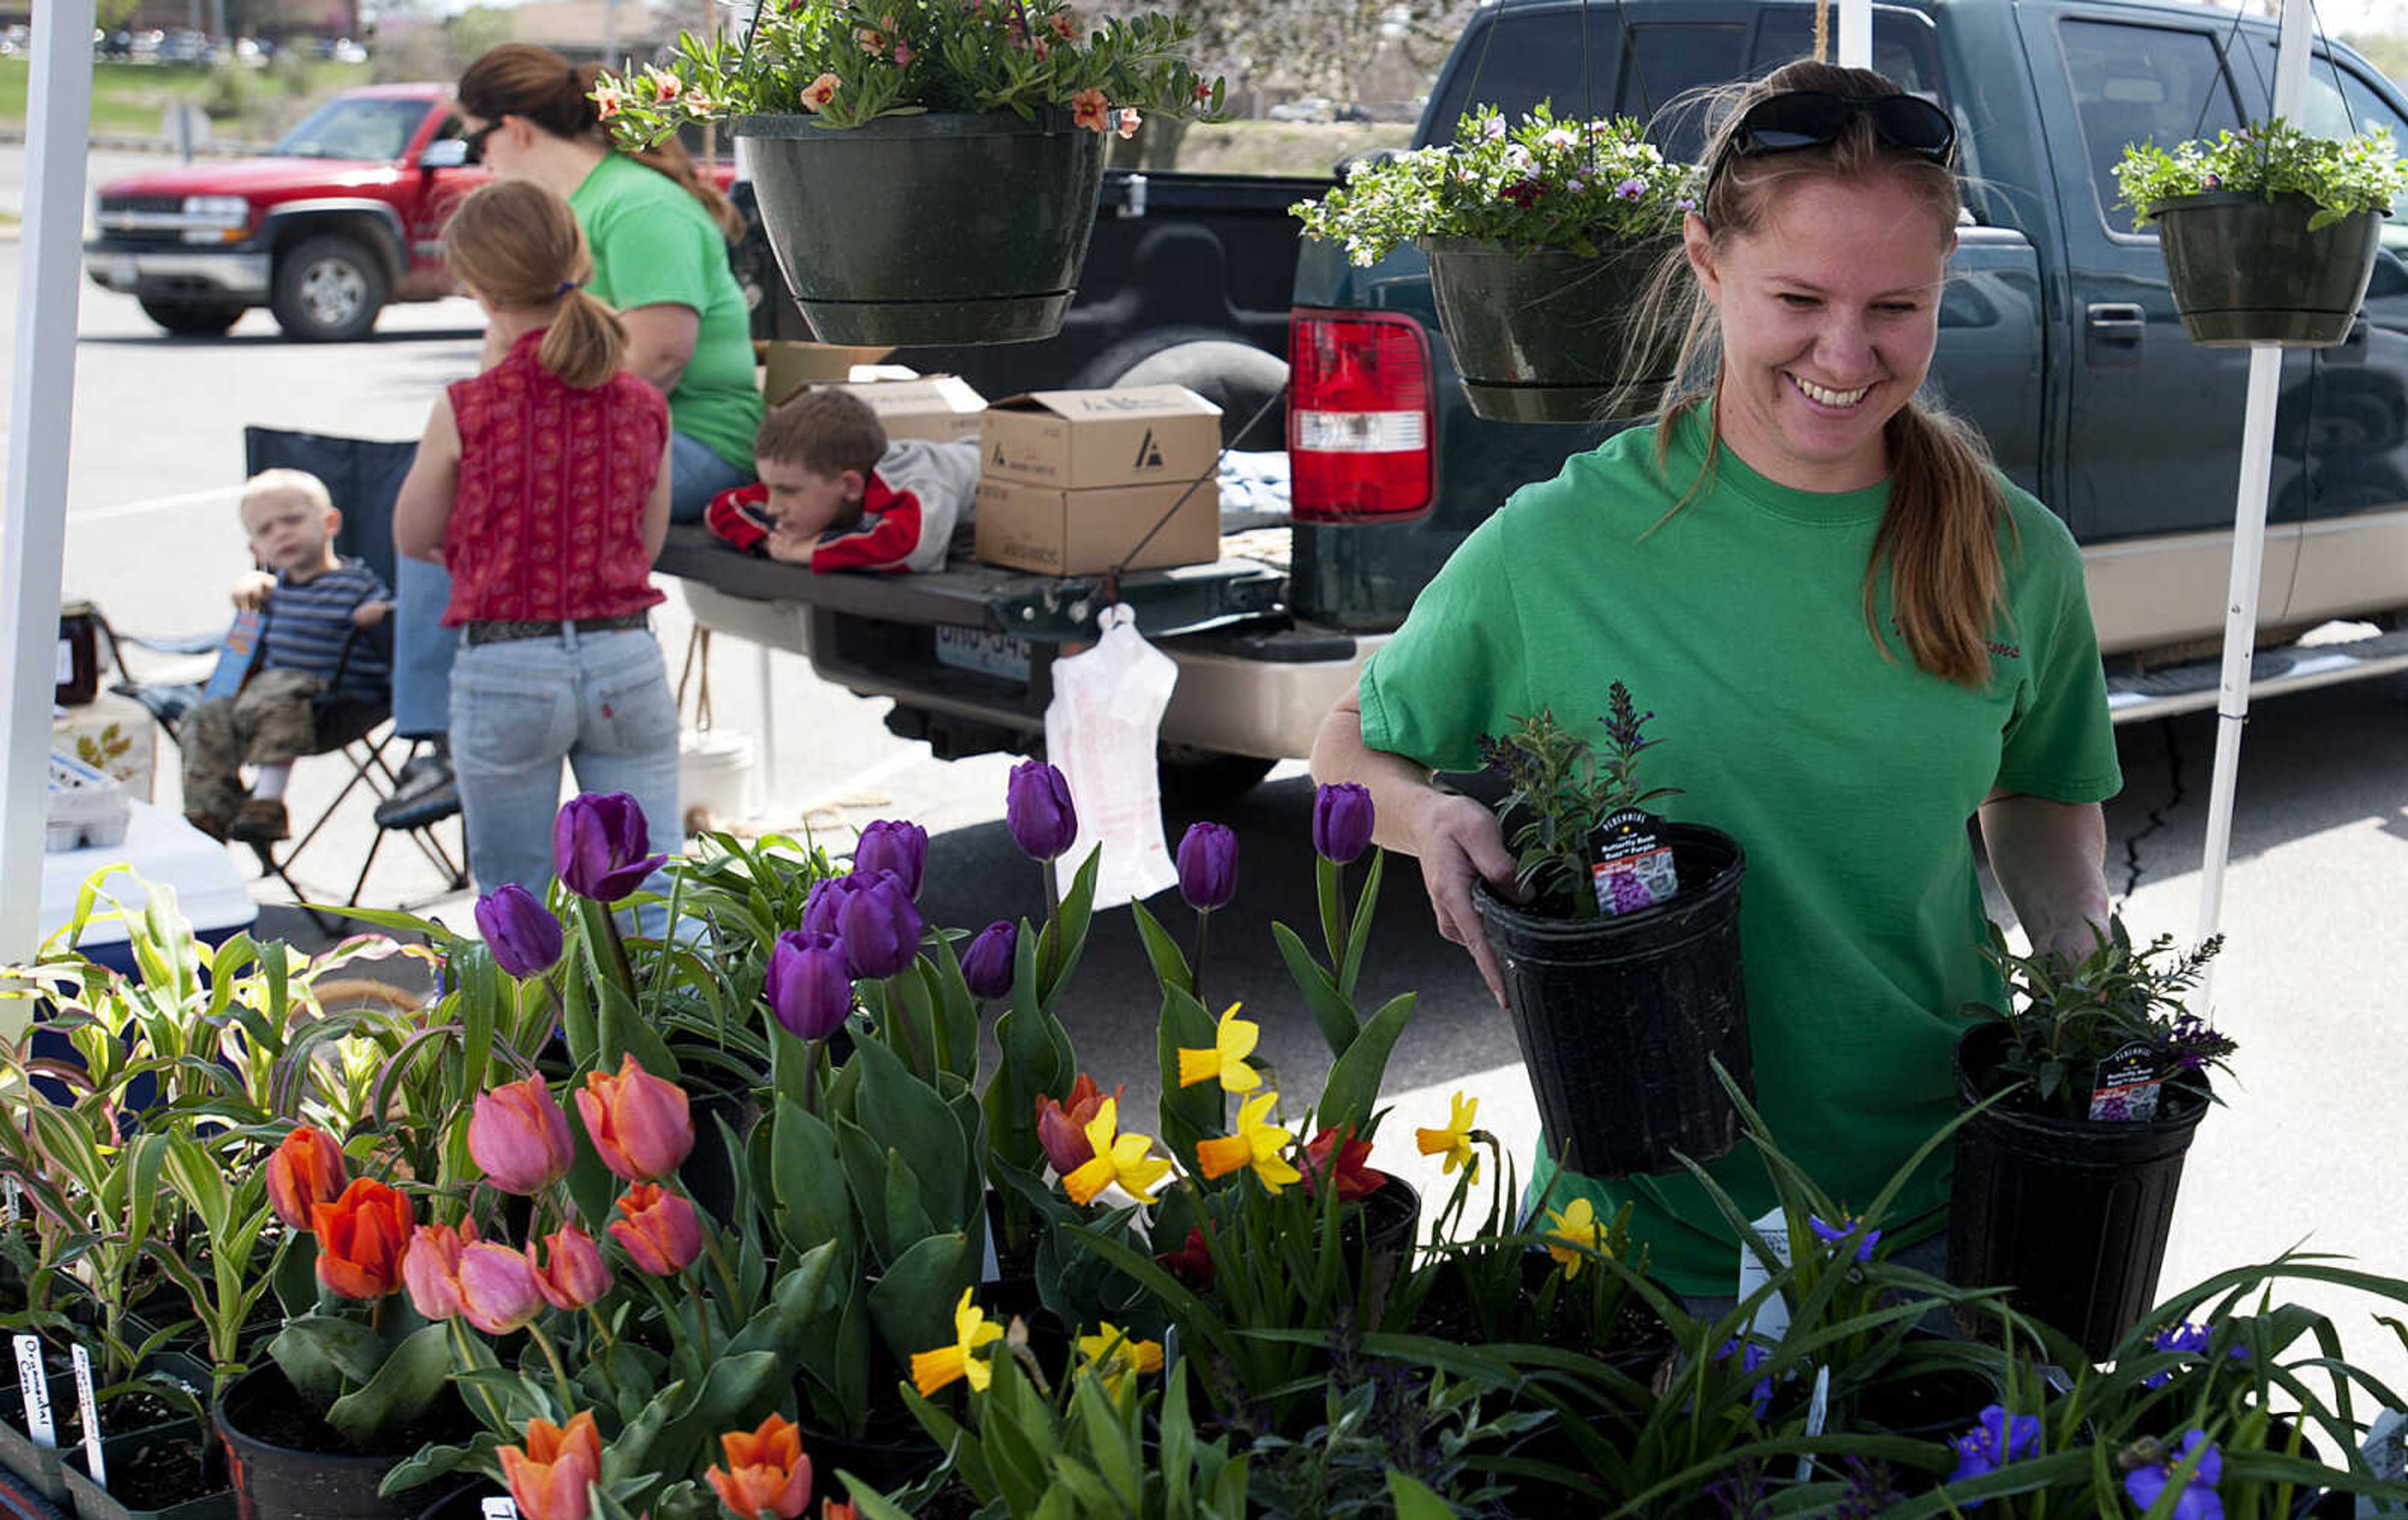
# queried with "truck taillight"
point(1359, 420)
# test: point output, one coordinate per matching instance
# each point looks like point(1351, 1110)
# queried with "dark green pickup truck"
point(2058, 337)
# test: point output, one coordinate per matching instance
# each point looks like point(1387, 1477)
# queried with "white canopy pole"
point(1856, 33)
point(2248, 537)
point(32, 542)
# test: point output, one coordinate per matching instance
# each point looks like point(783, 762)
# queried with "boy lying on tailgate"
point(835, 494)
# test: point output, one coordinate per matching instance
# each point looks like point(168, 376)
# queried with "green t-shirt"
point(1846, 774)
point(654, 245)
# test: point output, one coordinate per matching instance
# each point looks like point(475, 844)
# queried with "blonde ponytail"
point(586, 344)
point(518, 245)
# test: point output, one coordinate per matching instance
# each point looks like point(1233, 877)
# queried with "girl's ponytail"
point(586, 344)
point(518, 245)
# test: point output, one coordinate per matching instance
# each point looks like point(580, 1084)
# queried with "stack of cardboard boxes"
point(1075, 483)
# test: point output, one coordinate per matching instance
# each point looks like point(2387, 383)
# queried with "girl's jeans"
point(520, 706)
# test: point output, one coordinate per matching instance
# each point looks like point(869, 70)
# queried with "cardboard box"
point(1035, 527)
point(787, 368)
point(942, 407)
point(1083, 440)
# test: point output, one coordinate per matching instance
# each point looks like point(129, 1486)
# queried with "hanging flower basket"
point(1544, 336)
point(2246, 269)
point(939, 228)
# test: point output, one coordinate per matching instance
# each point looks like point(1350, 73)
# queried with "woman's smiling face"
point(1828, 312)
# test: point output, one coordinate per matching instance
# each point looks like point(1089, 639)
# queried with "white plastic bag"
point(1101, 729)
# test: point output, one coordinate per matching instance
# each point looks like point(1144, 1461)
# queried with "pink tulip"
point(637, 1121)
point(430, 1268)
point(660, 1234)
point(497, 1288)
point(576, 1274)
point(519, 1137)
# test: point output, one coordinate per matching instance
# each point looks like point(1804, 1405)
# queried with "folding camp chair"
point(364, 477)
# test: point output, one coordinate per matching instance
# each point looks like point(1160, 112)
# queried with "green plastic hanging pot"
point(938, 228)
point(1544, 335)
point(2246, 269)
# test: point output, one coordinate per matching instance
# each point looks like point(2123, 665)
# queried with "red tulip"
point(361, 1237)
point(1062, 1127)
point(305, 1172)
point(1192, 1263)
point(576, 1275)
point(1355, 1177)
point(549, 1478)
point(519, 1137)
point(660, 1234)
point(637, 1121)
point(766, 1473)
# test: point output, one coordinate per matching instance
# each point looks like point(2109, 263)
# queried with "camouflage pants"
point(267, 722)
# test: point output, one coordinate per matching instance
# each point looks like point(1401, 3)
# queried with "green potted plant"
point(2064, 1184)
point(1543, 238)
point(1620, 1015)
point(927, 169)
point(2269, 234)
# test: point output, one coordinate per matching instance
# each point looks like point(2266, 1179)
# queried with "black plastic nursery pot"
point(938, 228)
point(1620, 1020)
point(1544, 335)
point(273, 1481)
point(134, 1491)
point(2072, 1215)
point(2246, 269)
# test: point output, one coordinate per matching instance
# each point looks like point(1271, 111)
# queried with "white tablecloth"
point(163, 850)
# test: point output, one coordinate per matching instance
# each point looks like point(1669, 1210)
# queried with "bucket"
point(2073, 1214)
point(1544, 335)
point(1620, 1020)
point(273, 1481)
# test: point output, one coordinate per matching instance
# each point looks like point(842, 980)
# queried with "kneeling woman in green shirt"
point(1855, 632)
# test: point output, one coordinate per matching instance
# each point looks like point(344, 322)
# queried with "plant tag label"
point(34, 1383)
point(1818, 1412)
point(1630, 865)
point(9, 1192)
point(2128, 1086)
point(92, 1460)
point(1759, 1260)
point(500, 1507)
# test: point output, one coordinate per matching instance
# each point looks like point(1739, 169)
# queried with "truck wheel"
point(328, 289)
point(192, 319)
point(1197, 780)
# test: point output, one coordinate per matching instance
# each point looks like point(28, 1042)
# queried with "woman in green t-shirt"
point(1854, 633)
point(659, 231)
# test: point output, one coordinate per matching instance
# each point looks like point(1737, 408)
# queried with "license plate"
point(988, 654)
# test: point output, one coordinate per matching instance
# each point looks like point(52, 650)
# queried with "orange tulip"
point(766, 1473)
point(360, 1237)
point(305, 1172)
point(549, 1477)
point(660, 1234)
point(638, 1122)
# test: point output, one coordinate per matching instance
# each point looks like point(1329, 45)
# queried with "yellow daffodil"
point(1577, 1224)
point(1233, 1041)
point(1114, 1357)
point(1455, 1140)
point(1258, 1144)
point(1118, 1158)
point(933, 1369)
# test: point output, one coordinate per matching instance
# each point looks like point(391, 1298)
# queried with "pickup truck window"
point(2141, 84)
point(377, 129)
point(2341, 104)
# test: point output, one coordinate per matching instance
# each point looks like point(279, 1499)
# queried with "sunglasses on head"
point(1796, 119)
point(476, 140)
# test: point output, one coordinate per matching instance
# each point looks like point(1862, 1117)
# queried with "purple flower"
point(893, 845)
point(987, 965)
point(1998, 1439)
point(519, 929)
point(600, 845)
point(2153, 1467)
point(823, 909)
point(1631, 894)
point(1037, 810)
point(2188, 1338)
point(810, 989)
point(1341, 821)
point(1834, 1233)
point(1208, 866)
point(1751, 1356)
point(1631, 190)
point(1687, 203)
point(879, 927)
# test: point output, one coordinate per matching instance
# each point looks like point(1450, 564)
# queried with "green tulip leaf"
point(807, 1177)
point(912, 1302)
point(909, 1117)
point(1333, 1011)
point(349, 1351)
point(400, 1391)
point(1354, 1087)
point(429, 1463)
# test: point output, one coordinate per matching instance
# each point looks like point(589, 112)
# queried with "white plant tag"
point(500, 1508)
point(1819, 1411)
point(1756, 1267)
point(1101, 729)
point(34, 1383)
point(10, 1191)
point(92, 1460)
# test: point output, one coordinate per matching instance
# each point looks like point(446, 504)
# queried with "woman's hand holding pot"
point(1458, 839)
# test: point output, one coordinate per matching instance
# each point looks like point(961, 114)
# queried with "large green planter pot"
point(2248, 270)
point(940, 228)
point(1544, 336)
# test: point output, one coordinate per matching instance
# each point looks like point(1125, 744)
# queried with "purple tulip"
point(824, 910)
point(880, 927)
point(893, 845)
point(1341, 821)
point(519, 929)
point(1037, 810)
point(600, 845)
point(987, 965)
point(809, 986)
point(1208, 866)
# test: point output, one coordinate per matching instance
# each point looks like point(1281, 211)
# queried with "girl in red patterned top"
point(542, 485)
